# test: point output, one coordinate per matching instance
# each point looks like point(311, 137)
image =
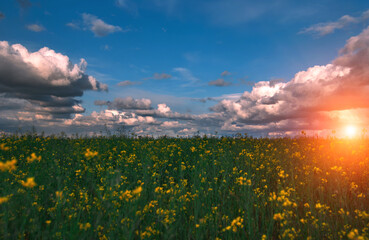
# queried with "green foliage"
point(176, 188)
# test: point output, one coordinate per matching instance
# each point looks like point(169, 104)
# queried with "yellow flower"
point(59, 194)
point(4, 199)
point(243, 181)
point(137, 190)
point(90, 154)
point(33, 158)
point(352, 234)
point(8, 165)
point(3, 147)
point(84, 226)
point(48, 222)
point(278, 217)
point(30, 183)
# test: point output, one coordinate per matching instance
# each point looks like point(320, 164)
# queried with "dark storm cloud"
point(45, 79)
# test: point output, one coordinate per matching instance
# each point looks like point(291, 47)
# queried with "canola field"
point(183, 188)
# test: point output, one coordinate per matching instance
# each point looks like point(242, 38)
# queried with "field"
point(178, 188)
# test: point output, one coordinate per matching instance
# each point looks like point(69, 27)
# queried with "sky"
point(181, 68)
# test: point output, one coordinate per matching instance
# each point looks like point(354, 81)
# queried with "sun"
point(350, 131)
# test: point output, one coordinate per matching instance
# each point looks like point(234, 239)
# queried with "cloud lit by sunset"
point(192, 119)
point(112, 71)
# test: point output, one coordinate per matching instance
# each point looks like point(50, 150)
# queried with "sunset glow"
point(350, 131)
point(148, 68)
point(197, 119)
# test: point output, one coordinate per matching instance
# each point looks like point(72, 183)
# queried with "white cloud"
point(35, 27)
point(225, 73)
point(322, 29)
point(163, 108)
point(186, 76)
point(127, 83)
point(73, 25)
point(122, 3)
point(98, 26)
point(128, 5)
point(309, 97)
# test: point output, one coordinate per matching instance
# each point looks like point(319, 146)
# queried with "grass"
point(183, 188)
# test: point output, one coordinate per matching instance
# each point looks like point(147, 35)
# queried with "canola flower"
point(354, 234)
point(30, 183)
point(90, 154)
point(4, 199)
point(84, 226)
point(3, 147)
point(196, 188)
point(137, 191)
point(59, 194)
point(8, 165)
point(33, 157)
point(278, 216)
point(243, 181)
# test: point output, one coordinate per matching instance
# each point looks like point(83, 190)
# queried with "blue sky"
point(191, 56)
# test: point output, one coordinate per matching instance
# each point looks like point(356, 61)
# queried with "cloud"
point(186, 76)
point(245, 81)
point(24, 3)
point(73, 25)
point(46, 80)
point(122, 3)
point(225, 73)
point(35, 27)
point(42, 89)
point(160, 76)
point(101, 103)
point(219, 83)
point(111, 119)
point(127, 5)
point(192, 57)
point(98, 26)
point(2, 15)
point(322, 29)
point(106, 47)
point(233, 12)
point(307, 101)
point(164, 111)
point(127, 103)
point(169, 6)
point(127, 83)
